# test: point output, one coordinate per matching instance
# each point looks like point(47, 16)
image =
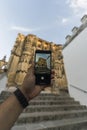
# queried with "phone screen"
point(43, 67)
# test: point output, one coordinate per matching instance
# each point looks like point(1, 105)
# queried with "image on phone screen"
point(43, 66)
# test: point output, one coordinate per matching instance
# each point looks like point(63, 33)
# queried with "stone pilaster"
point(25, 61)
point(14, 59)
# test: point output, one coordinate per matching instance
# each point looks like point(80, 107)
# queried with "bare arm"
point(11, 108)
point(9, 112)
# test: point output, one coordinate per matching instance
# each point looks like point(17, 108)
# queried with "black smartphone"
point(43, 67)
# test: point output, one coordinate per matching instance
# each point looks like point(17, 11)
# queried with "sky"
point(51, 20)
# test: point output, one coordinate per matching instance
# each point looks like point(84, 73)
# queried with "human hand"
point(29, 89)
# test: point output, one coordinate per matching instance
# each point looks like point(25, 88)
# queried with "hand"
point(29, 89)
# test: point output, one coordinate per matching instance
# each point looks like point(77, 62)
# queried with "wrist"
point(21, 98)
point(25, 94)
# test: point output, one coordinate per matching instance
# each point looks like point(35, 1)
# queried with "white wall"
point(75, 59)
point(3, 81)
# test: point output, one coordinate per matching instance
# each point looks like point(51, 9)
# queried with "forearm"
point(9, 112)
point(14, 105)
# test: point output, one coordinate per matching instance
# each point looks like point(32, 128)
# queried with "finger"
point(30, 71)
point(40, 87)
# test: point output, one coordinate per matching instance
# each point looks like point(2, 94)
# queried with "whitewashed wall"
point(75, 59)
point(3, 81)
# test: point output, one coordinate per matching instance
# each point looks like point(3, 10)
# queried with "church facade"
point(22, 56)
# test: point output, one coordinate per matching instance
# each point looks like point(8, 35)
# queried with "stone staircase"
point(51, 112)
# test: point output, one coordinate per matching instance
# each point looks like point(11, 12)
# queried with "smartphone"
point(43, 67)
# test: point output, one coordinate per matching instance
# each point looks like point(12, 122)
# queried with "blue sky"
point(51, 20)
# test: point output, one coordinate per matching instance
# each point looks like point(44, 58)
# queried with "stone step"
point(42, 108)
point(51, 95)
point(45, 116)
point(49, 102)
point(51, 112)
point(5, 94)
point(53, 102)
point(45, 98)
point(65, 124)
point(53, 98)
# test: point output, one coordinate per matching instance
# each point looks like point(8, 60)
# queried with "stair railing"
point(84, 91)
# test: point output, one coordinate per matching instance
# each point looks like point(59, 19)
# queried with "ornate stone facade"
point(22, 56)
